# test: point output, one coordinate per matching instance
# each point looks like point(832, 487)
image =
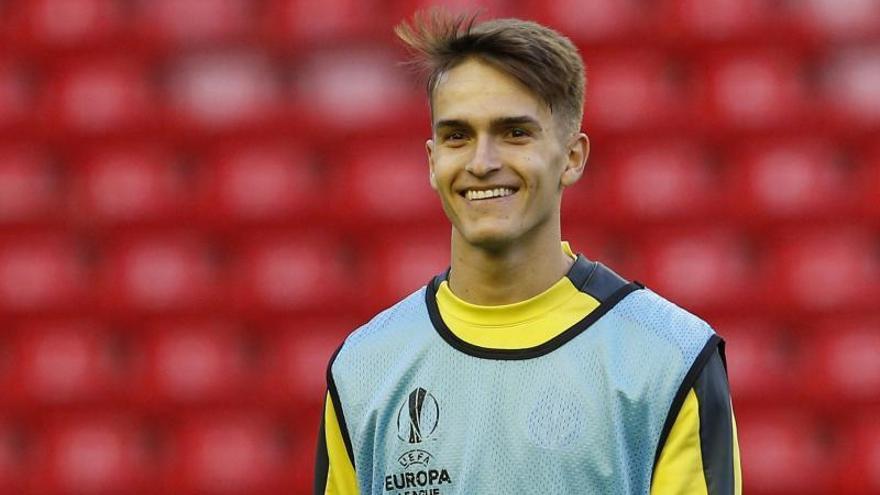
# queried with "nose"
point(485, 159)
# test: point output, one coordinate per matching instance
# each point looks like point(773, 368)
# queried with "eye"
point(455, 138)
point(518, 133)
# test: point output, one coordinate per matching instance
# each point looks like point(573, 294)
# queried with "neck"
point(491, 277)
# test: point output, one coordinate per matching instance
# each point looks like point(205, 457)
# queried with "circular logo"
point(556, 421)
point(417, 417)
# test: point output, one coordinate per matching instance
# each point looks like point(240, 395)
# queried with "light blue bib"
point(429, 415)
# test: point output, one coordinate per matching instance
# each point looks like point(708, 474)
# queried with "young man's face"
point(498, 157)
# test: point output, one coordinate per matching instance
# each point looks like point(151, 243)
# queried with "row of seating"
point(627, 181)
point(824, 364)
point(815, 270)
point(766, 87)
point(101, 451)
point(167, 363)
point(256, 451)
point(60, 22)
point(792, 450)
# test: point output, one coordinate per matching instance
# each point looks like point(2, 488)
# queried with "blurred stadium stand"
point(200, 198)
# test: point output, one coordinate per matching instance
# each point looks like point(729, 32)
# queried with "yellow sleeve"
point(701, 453)
point(736, 465)
point(334, 471)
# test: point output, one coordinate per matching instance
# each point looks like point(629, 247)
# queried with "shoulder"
point(660, 317)
point(654, 333)
point(387, 329)
point(638, 318)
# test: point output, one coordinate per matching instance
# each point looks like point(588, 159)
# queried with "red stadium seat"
point(260, 182)
point(713, 20)
point(589, 22)
point(228, 89)
point(67, 362)
point(851, 91)
point(869, 183)
point(298, 357)
point(324, 93)
point(824, 270)
point(840, 20)
point(66, 23)
point(399, 265)
point(619, 254)
point(193, 362)
point(703, 270)
point(100, 96)
point(844, 365)
point(191, 21)
point(753, 90)
point(660, 181)
point(12, 458)
point(304, 20)
point(860, 469)
point(284, 273)
point(798, 180)
point(633, 90)
point(29, 185)
point(586, 201)
point(41, 273)
point(227, 453)
point(302, 472)
point(98, 453)
point(160, 273)
point(16, 94)
point(400, 9)
point(131, 184)
point(387, 181)
point(783, 452)
point(764, 362)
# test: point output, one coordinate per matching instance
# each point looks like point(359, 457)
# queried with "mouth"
point(485, 194)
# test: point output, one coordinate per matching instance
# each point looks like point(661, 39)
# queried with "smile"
point(498, 192)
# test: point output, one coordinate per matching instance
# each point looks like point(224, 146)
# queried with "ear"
point(429, 147)
point(578, 151)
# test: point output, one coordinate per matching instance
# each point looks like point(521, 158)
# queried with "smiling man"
point(524, 368)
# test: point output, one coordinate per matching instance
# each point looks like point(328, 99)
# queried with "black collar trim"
point(589, 276)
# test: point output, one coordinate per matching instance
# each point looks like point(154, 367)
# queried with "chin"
point(491, 238)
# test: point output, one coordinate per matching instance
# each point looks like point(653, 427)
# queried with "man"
point(524, 368)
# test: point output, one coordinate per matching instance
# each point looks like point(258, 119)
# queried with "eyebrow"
point(519, 120)
point(495, 123)
point(451, 123)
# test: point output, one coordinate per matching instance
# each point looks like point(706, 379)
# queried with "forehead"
point(476, 92)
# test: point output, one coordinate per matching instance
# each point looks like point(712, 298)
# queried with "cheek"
point(443, 175)
point(546, 185)
point(542, 176)
point(442, 185)
point(553, 174)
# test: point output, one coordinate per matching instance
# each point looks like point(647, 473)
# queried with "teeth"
point(498, 192)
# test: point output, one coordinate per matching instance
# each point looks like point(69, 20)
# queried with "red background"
point(200, 199)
